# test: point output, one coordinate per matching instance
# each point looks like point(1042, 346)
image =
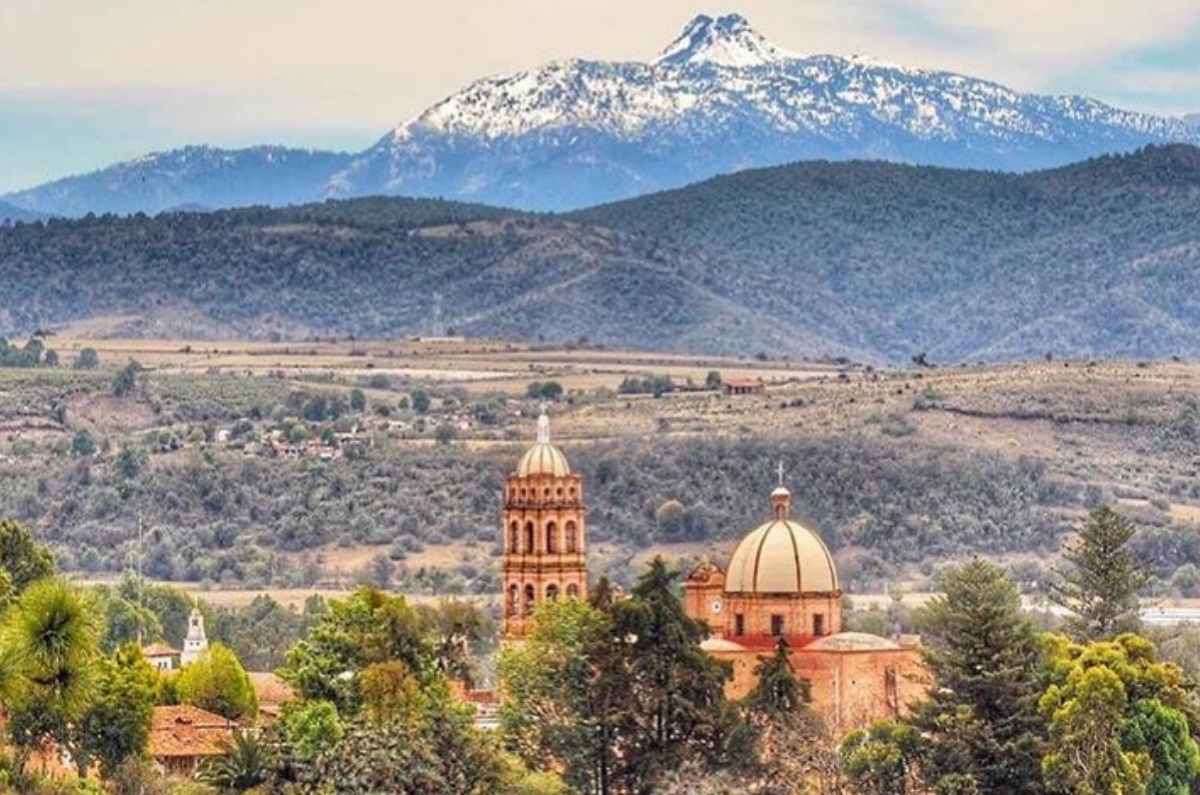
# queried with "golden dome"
point(543, 458)
point(781, 557)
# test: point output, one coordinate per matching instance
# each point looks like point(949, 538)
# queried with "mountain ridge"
point(719, 98)
point(868, 260)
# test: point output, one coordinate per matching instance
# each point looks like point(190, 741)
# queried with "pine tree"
point(981, 723)
point(1099, 585)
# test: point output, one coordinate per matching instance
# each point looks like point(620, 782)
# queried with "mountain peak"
point(726, 41)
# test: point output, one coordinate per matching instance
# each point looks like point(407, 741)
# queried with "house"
point(161, 656)
point(181, 737)
point(743, 386)
point(272, 693)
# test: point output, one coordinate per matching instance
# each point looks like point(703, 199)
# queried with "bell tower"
point(545, 537)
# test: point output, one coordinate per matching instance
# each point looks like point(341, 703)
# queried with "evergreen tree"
point(1099, 585)
point(981, 723)
point(674, 709)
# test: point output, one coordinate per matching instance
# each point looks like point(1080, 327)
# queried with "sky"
point(84, 84)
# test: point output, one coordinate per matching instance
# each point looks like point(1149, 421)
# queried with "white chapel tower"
point(196, 642)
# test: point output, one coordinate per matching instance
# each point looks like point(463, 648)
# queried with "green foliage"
point(1101, 580)
point(312, 727)
point(981, 723)
point(116, 725)
point(358, 400)
point(87, 360)
point(420, 401)
point(777, 693)
point(1117, 719)
point(246, 764)
point(82, 444)
point(217, 682)
point(22, 560)
point(544, 390)
point(882, 759)
point(49, 643)
point(621, 693)
point(126, 379)
point(366, 628)
point(28, 356)
point(650, 385)
point(259, 633)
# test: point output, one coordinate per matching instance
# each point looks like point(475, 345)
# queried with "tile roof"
point(159, 650)
point(188, 731)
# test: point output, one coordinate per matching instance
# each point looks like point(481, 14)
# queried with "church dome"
point(781, 557)
point(543, 458)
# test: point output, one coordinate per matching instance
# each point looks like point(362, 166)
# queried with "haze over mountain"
point(568, 134)
point(11, 213)
point(870, 260)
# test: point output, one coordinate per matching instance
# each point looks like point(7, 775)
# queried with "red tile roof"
point(188, 731)
point(159, 650)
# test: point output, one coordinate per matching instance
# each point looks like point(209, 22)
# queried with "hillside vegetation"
point(869, 260)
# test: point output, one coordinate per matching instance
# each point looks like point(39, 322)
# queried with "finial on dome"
point(543, 427)
point(781, 498)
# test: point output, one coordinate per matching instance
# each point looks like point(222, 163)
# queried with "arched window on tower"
point(552, 538)
point(513, 599)
point(572, 538)
point(551, 593)
point(514, 538)
point(529, 538)
point(572, 591)
point(530, 598)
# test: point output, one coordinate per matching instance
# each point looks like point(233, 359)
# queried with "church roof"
point(544, 459)
point(852, 641)
point(782, 556)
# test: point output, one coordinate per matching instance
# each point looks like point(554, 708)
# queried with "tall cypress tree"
point(1101, 578)
point(981, 720)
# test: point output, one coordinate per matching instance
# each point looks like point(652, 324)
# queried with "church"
point(780, 583)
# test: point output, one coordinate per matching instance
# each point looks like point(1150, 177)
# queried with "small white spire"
point(781, 472)
point(543, 427)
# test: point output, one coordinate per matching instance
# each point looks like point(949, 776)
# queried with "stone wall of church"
point(850, 689)
point(799, 615)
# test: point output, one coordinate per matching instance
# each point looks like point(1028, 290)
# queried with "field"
point(903, 469)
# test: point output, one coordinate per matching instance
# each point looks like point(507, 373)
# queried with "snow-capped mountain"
point(719, 98)
point(193, 176)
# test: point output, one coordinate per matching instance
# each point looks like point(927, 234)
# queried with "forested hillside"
point(870, 260)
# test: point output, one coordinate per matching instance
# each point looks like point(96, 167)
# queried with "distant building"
point(743, 386)
point(181, 737)
point(272, 693)
point(196, 642)
point(161, 656)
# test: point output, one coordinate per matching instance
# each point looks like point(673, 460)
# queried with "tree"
point(981, 722)
point(1099, 585)
point(882, 759)
point(125, 380)
point(311, 727)
point(23, 561)
point(217, 682)
point(366, 628)
point(713, 380)
point(245, 764)
point(50, 642)
point(674, 709)
point(50, 359)
point(116, 726)
point(87, 359)
point(82, 444)
point(1117, 719)
point(129, 462)
point(445, 433)
point(358, 400)
point(420, 401)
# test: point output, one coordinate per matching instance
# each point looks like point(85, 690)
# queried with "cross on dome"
point(781, 472)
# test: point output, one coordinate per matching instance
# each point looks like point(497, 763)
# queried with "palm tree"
point(245, 764)
point(48, 645)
